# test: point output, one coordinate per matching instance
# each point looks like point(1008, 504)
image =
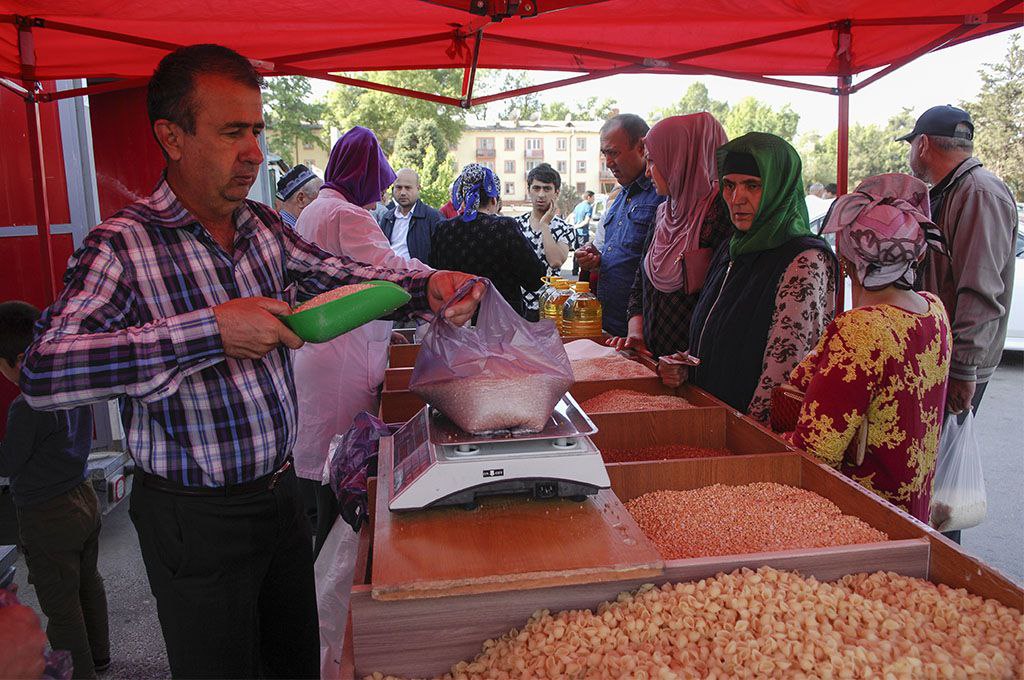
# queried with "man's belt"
point(265, 483)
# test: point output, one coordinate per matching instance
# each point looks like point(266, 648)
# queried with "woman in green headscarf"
point(770, 291)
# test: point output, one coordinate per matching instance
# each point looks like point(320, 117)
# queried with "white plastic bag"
point(333, 571)
point(958, 496)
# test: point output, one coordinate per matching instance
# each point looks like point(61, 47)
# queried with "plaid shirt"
point(135, 320)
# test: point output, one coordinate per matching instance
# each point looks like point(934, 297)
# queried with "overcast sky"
point(944, 77)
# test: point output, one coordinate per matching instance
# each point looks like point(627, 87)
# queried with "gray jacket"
point(978, 217)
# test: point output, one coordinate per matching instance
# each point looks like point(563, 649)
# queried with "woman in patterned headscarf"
point(770, 288)
point(480, 241)
point(884, 362)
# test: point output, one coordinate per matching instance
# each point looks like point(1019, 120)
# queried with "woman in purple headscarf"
point(338, 379)
point(875, 386)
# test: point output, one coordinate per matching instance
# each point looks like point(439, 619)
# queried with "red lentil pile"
point(332, 295)
point(765, 624)
point(609, 368)
point(622, 401)
point(732, 520)
point(662, 452)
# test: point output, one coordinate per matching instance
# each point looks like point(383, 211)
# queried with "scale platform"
point(435, 463)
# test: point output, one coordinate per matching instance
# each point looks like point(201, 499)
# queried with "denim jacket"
point(630, 217)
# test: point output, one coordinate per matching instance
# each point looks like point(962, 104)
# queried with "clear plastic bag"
point(504, 373)
point(959, 500)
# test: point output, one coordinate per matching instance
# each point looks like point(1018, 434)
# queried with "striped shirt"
point(135, 321)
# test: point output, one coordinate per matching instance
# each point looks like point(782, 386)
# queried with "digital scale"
point(435, 463)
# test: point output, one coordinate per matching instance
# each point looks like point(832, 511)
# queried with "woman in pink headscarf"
point(875, 386)
point(688, 227)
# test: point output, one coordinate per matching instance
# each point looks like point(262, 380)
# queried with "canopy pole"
point(27, 56)
point(469, 77)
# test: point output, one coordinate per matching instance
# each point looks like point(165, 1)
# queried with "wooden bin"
point(422, 637)
point(404, 356)
point(708, 427)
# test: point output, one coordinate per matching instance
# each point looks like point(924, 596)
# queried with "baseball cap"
point(940, 121)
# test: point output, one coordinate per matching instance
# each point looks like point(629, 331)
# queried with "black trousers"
point(233, 581)
point(60, 539)
point(979, 392)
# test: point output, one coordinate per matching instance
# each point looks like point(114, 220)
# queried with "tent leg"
point(843, 165)
point(35, 142)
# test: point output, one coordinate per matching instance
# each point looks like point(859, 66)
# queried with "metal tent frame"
point(465, 42)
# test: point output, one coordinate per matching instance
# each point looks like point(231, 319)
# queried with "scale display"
point(412, 451)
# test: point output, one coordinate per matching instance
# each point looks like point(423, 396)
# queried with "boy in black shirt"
point(44, 453)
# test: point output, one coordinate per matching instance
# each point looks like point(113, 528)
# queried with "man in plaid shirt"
point(170, 305)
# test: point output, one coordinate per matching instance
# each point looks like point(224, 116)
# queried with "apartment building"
point(513, 148)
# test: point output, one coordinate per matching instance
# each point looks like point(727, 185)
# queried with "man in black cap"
point(295, 191)
point(976, 213)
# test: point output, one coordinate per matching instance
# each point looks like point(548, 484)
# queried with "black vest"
point(729, 330)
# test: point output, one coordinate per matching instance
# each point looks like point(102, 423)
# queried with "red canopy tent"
point(766, 41)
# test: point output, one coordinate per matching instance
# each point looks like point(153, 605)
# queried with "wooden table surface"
point(507, 543)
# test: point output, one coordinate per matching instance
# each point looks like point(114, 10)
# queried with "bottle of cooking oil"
point(552, 305)
point(545, 293)
point(581, 313)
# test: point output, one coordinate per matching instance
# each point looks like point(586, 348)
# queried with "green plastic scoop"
point(331, 319)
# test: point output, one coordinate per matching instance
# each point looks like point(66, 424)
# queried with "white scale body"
point(434, 463)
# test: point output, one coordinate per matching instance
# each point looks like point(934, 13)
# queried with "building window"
point(488, 164)
point(581, 143)
point(510, 167)
point(530, 165)
point(510, 144)
point(563, 167)
point(534, 143)
point(510, 188)
point(485, 142)
point(581, 166)
point(581, 188)
point(561, 144)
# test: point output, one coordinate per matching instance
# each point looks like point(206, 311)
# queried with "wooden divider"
point(398, 407)
point(716, 428)
point(404, 356)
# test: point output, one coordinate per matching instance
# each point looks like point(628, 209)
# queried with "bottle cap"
point(581, 286)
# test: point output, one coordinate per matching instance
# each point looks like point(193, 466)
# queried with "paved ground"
point(138, 650)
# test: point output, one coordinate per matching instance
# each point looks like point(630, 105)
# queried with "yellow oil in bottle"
point(552, 305)
point(581, 313)
point(543, 304)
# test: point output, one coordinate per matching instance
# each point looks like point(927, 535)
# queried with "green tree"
point(998, 115)
point(748, 115)
point(384, 113)
point(873, 151)
point(420, 145)
point(568, 198)
point(588, 109)
point(751, 115)
point(291, 115)
point(694, 100)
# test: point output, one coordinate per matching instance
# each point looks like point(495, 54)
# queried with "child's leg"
point(52, 536)
point(92, 594)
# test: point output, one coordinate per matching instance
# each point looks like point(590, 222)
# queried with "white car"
point(1015, 322)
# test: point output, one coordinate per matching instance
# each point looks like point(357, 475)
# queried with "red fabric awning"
point(760, 37)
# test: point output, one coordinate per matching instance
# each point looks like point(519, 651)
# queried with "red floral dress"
point(891, 365)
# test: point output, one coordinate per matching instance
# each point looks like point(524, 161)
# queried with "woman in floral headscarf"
point(886, 360)
point(480, 241)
